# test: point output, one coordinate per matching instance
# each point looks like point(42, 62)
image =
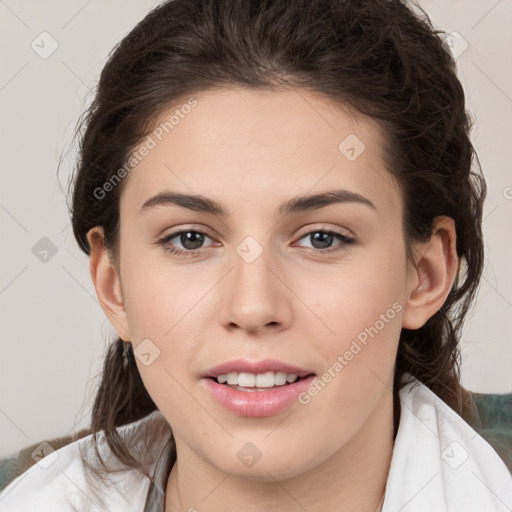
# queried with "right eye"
point(190, 239)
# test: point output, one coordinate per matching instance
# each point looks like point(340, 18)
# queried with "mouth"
point(257, 395)
point(257, 388)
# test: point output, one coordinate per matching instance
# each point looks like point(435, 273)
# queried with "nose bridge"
point(256, 296)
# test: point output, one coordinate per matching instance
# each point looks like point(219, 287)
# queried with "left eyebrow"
point(297, 204)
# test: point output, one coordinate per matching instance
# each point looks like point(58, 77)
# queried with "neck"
point(352, 479)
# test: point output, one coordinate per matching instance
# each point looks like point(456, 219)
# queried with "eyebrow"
point(296, 204)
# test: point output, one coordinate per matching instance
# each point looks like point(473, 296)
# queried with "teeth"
point(232, 378)
point(264, 380)
point(261, 380)
point(247, 380)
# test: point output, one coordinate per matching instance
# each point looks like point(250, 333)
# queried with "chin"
point(263, 468)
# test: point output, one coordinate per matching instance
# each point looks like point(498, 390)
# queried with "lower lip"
point(257, 403)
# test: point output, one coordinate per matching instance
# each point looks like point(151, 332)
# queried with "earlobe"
point(429, 281)
point(107, 283)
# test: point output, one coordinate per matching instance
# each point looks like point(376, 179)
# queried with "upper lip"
point(256, 367)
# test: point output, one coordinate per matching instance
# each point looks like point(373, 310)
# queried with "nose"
point(255, 298)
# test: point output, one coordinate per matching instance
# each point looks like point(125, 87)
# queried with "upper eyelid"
point(307, 231)
point(338, 231)
point(320, 227)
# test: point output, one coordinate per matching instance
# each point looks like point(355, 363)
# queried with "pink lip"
point(266, 365)
point(257, 403)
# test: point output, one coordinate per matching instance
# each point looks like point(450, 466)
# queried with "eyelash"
point(346, 240)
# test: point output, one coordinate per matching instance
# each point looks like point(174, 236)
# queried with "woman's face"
point(316, 284)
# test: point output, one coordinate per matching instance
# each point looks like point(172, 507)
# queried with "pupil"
point(191, 239)
point(324, 239)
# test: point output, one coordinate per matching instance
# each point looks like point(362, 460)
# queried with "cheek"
point(362, 304)
point(365, 290)
point(169, 305)
point(160, 295)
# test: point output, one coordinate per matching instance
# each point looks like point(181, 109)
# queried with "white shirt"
point(439, 464)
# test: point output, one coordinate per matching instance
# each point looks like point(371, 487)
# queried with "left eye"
point(322, 240)
point(192, 241)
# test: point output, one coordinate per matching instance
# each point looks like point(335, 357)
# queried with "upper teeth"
point(261, 380)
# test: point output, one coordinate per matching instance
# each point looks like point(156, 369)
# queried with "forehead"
point(239, 144)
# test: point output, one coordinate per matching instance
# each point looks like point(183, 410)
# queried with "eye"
point(190, 239)
point(321, 240)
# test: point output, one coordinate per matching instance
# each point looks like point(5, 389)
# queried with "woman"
point(284, 228)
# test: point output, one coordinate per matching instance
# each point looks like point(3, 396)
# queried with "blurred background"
point(53, 331)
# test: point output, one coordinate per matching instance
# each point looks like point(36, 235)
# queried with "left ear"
point(429, 282)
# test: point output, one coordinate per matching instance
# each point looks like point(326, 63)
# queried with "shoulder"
point(440, 462)
point(59, 481)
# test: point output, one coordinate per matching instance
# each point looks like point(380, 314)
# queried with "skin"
point(252, 151)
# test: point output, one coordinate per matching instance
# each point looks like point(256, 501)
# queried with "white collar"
point(440, 463)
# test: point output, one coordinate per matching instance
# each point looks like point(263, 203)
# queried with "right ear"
point(107, 283)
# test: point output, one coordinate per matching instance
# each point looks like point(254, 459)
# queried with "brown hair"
point(375, 56)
